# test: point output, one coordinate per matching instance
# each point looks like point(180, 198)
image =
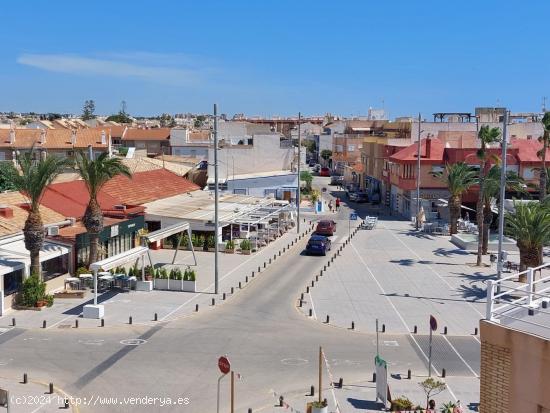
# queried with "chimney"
point(428, 147)
point(73, 137)
point(12, 136)
point(43, 136)
point(6, 212)
point(103, 138)
point(110, 146)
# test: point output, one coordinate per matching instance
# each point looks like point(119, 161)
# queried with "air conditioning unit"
point(53, 231)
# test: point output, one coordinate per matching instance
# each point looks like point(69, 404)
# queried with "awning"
point(119, 259)
point(444, 203)
point(14, 256)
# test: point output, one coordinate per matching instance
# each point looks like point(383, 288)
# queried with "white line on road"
point(460, 357)
point(312, 306)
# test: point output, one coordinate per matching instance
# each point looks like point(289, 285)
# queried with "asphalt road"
point(270, 344)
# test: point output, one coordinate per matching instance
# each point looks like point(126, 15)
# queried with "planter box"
point(144, 285)
point(245, 252)
point(21, 307)
point(160, 284)
point(175, 285)
point(212, 249)
point(69, 294)
point(231, 251)
point(319, 410)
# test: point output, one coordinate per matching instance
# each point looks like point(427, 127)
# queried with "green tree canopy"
point(88, 110)
point(8, 176)
point(326, 154)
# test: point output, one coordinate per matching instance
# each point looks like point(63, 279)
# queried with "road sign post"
point(433, 327)
point(225, 366)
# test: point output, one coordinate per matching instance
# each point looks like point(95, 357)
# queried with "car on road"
point(336, 179)
point(318, 245)
point(325, 227)
point(324, 171)
point(358, 197)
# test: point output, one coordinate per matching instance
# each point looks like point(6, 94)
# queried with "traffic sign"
point(224, 365)
point(433, 323)
point(353, 216)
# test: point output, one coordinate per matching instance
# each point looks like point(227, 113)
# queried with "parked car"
point(336, 179)
point(317, 168)
point(318, 245)
point(326, 227)
point(324, 171)
point(361, 197)
point(352, 195)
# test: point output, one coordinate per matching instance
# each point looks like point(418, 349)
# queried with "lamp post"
point(299, 162)
point(216, 199)
point(417, 224)
point(502, 195)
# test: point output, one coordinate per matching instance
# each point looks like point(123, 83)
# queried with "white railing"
point(507, 296)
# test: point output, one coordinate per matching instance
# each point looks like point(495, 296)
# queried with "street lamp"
point(502, 195)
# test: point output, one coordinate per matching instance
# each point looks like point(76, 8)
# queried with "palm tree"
point(491, 193)
point(529, 225)
point(95, 173)
point(545, 138)
point(35, 176)
point(486, 135)
point(459, 177)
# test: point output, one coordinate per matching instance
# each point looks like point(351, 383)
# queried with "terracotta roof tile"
point(55, 138)
point(409, 153)
point(148, 186)
point(527, 150)
point(155, 134)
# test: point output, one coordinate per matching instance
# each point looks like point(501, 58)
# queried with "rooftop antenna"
point(544, 104)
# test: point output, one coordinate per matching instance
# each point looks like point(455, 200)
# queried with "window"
point(12, 282)
point(351, 148)
point(55, 267)
point(239, 191)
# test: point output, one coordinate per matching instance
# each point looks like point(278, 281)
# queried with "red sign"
point(433, 323)
point(224, 365)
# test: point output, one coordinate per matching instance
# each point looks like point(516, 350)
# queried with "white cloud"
point(143, 66)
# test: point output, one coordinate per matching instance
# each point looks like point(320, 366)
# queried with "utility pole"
point(502, 195)
point(320, 374)
point(232, 391)
point(298, 197)
point(216, 202)
point(417, 225)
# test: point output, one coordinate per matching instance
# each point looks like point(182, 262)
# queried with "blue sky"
point(274, 57)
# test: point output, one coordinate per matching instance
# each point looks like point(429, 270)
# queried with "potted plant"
point(33, 293)
point(211, 243)
point(319, 407)
point(230, 247)
point(161, 279)
point(149, 273)
point(401, 404)
point(245, 247)
point(189, 280)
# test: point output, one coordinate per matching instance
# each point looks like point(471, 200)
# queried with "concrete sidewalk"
point(167, 305)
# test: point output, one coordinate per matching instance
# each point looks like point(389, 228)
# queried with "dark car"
point(324, 171)
point(336, 179)
point(318, 245)
point(361, 197)
point(312, 163)
point(326, 227)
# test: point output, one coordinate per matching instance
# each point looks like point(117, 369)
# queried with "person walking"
point(337, 204)
point(330, 206)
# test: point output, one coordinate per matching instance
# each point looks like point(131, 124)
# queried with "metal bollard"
point(279, 253)
point(312, 391)
point(13, 322)
point(281, 401)
point(270, 260)
point(312, 283)
point(328, 264)
point(316, 278)
point(240, 286)
point(321, 273)
point(383, 328)
point(246, 279)
point(475, 331)
point(545, 304)
point(252, 274)
point(265, 264)
point(409, 374)
point(445, 330)
point(353, 325)
point(156, 317)
point(307, 289)
point(249, 410)
point(374, 377)
point(25, 378)
point(341, 383)
point(415, 329)
point(102, 322)
point(328, 319)
point(259, 269)
point(310, 312)
point(213, 301)
point(301, 296)
point(275, 255)
point(232, 290)
point(66, 404)
point(130, 320)
point(44, 324)
point(76, 323)
point(196, 307)
point(529, 312)
point(325, 268)
point(443, 373)
point(300, 303)
point(223, 297)
point(51, 388)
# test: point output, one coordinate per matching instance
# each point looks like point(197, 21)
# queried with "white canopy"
point(14, 256)
point(119, 259)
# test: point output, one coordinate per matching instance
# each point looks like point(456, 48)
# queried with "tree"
point(8, 176)
point(166, 120)
point(199, 120)
point(95, 173)
point(88, 110)
point(491, 193)
point(486, 136)
point(529, 225)
point(545, 138)
point(310, 145)
point(459, 177)
point(326, 154)
point(307, 178)
point(432, 387)
point(119, 118)
point(34, 178)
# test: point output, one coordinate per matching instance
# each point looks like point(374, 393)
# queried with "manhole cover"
point(294, 362)
point(133, 342)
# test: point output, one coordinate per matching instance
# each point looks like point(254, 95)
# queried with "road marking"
point(460, 357)
point(434, 271)
point(312, 306)
point(294, 362)
point(133, 342)
point(92, 342)
point(4, 330)
point(391, 343)
point(398, 314)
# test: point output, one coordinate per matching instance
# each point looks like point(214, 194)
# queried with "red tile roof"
point(527, 150)
point(55, 138)
point(409, 154)
point(148, 186)
point(155, 134)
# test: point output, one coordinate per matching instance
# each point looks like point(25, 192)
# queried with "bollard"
point(232, 290)
point(353, 325)
point(156, 317)
point(130, 320)
point(312, 283)
point(328, 264)
point(341, 383)
point(328, 319)
point(213, 301)
point(310, 312)
point(76, 323)
point(545, 304)
point(196, 307)
point(252, 274)
point(51, 388)
point(249, 410)
point(223, 297)
point(279, 253)
point(259, 269)
point(240, 286)
point(374, 377)
point(383, 328)
point(312, 391)
point(301, 296)
point(13, 322)
point(246, 279)
point(325, 268)
point(409, 374)
point(270, 260)
point(275, 255)
point(445, 330)
point(307, 289)
point(25, 378)
point(102, 322)
point(66, 404)
point(415, 329)
point(281, 400)
point(264, 264)
point(300, 303)
point(316, 278)
point(443, 373)
point(44, 324)
point(530, 312)
point(475, 331)
point(321, 273)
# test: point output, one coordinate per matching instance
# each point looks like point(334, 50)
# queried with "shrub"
point(32, 291)
point(401, 403)
point(229, 245)
point(245, 245)
point(189, 274)
point(176, 274)
point(318, 404)
point(211, 242)
point(49, 300)
point(162, 273)
point(82, 270)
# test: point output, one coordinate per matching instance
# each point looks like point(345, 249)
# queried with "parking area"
point(167, 305)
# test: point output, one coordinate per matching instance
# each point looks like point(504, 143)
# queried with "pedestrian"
point(431, 406)
point(330, 206)
point(458, 407)
point(337, 203)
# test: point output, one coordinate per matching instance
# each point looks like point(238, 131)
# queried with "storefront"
point(117, 237)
